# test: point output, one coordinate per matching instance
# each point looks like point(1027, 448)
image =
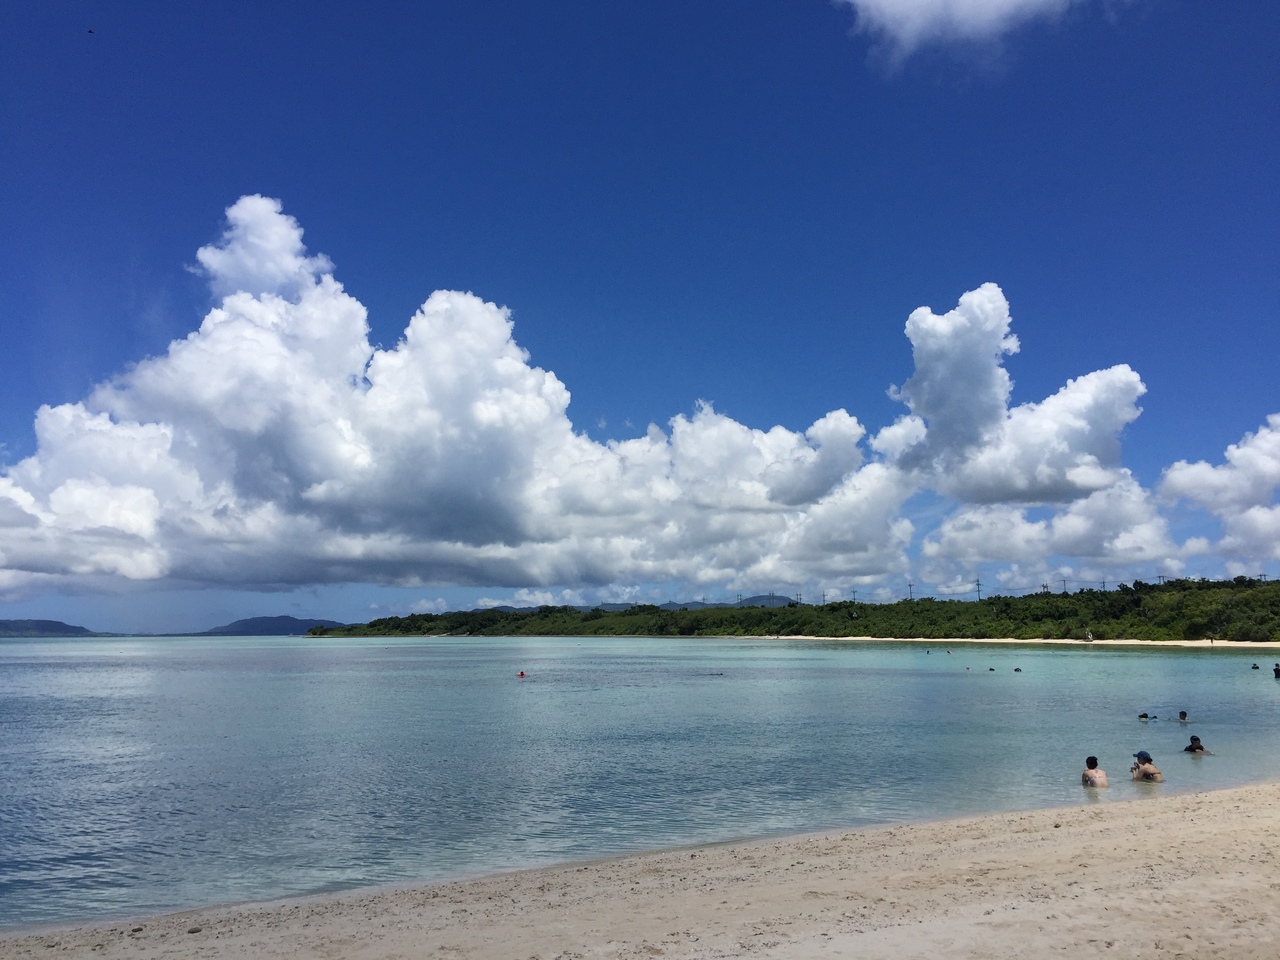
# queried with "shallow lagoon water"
point(145, 774)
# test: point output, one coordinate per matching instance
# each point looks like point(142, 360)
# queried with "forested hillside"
point(1241, 610)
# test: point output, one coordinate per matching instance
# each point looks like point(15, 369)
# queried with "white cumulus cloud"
point(276, 446)
point(1240, 493)
point(962, 434)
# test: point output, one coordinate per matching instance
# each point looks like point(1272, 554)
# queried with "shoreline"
point(1169, 875)
point(1231, 645)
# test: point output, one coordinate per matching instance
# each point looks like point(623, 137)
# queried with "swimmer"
point(1093, 775)
point(1144, 769)
point(1195, 746)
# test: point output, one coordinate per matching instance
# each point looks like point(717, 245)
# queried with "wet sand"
point(1169, 875)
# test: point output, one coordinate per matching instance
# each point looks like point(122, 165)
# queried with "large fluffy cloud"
point(276, 446)
point(962, 434)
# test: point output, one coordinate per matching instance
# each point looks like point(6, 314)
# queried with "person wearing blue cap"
point(1144, 769)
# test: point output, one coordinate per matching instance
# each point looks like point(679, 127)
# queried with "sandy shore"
point(1120, 642)
point(1189, 875)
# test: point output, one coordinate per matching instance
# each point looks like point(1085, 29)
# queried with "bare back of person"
point(1093, 776)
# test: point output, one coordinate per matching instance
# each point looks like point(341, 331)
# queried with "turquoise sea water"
point(144, 774)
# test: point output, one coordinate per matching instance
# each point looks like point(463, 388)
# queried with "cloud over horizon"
point(275, 446)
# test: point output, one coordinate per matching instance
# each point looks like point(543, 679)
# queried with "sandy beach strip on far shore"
point(1172, 875)
point(1235, 647)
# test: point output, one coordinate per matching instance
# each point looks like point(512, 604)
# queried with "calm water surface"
point(145, 774)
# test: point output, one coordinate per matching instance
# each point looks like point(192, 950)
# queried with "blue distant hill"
point(41, 628)
point(764, 600)
point(267, 627)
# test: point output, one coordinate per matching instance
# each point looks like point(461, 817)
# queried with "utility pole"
point(910, 594)
point(978, 584)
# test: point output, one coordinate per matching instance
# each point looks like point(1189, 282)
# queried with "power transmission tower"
point(910, 587)
point(978, 584)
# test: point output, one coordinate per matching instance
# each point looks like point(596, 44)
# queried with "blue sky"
point(713, 218)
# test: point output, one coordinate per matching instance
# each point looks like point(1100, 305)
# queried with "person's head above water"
point(1091, 763)
point(1142, 756)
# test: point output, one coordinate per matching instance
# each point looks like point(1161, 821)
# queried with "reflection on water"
point(142, 774)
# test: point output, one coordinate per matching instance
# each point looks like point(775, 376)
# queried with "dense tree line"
point(1242, 609)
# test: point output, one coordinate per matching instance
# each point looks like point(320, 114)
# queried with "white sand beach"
point(1173, 875)
point(1115, 642)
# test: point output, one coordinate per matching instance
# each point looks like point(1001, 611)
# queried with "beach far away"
point(1193, 875)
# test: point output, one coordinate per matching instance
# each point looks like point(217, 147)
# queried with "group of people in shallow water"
point(1144, 768)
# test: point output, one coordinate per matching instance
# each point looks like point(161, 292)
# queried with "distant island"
point(42, 628)
point(1243, 609)
point(268, 627)
point(249, 627)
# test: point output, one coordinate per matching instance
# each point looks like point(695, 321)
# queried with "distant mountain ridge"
point(41, 628)
point(763, 600)
point(267, 627)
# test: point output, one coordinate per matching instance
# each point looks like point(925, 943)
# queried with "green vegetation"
point(1241, 609)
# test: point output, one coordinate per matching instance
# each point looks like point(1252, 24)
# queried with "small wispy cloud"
point(908, 24)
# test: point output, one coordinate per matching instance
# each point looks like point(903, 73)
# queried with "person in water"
point(1195, 746)
point(1182, 716)
point(1276, 670)
point(1093, 776)
point(1144, 769)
